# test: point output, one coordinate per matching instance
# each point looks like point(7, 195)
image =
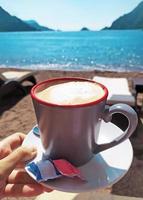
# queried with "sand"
point(17, 115)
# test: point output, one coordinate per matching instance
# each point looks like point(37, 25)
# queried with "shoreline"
point(88, 71)
point(56, 67)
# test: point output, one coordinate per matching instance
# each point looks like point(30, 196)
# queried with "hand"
point(14, 181)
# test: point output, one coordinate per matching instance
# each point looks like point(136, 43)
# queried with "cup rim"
point(70, 79)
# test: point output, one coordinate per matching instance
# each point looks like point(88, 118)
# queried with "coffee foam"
point(72, 93)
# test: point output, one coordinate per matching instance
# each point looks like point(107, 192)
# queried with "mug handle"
point(128, 112)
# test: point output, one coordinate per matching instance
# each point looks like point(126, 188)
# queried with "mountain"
point(132, 20)
point(37, 26)
point(12, 23)
point(84, 29)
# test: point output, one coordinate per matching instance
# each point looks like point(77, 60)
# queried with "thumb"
point(21, 154)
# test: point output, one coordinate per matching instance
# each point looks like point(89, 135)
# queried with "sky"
point(70, 15)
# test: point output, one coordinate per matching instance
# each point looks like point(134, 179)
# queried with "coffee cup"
point(69, 112)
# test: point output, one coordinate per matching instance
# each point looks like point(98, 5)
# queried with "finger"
point(20, 165)
point(20, 176)
point(21, 154)
point(10, 143)
point(13, 141)
point(27, 190)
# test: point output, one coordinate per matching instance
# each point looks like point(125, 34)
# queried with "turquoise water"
point(102, 50)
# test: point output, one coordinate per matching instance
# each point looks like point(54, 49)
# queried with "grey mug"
point(71, 131)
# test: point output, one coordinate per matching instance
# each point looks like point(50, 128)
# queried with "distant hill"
point(12, 23)
point(37, 26)
point(132, 20)
point(84, 29)
point(9, 23)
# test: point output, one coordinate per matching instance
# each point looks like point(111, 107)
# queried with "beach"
point(17, 115)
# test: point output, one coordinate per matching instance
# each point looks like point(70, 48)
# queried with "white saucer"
point(105, 169)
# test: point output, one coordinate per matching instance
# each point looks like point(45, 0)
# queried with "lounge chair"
point(118, 90)
point(118, 93)
point(11, 80)
point(137, 84)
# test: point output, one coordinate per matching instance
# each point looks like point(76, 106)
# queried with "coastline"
point(85, 73)
point(17, 115)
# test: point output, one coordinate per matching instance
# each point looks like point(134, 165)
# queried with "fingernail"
point(32, 153)
point(32, 149)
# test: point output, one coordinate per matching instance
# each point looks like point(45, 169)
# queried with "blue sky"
point(70, 14)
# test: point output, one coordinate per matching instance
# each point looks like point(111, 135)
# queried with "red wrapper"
point(66, 168)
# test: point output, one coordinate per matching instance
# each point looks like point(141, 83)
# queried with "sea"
point(109, 50)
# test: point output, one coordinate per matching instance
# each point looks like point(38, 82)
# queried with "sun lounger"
point(19, 76)
point(118, 90)
point(11, 80)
